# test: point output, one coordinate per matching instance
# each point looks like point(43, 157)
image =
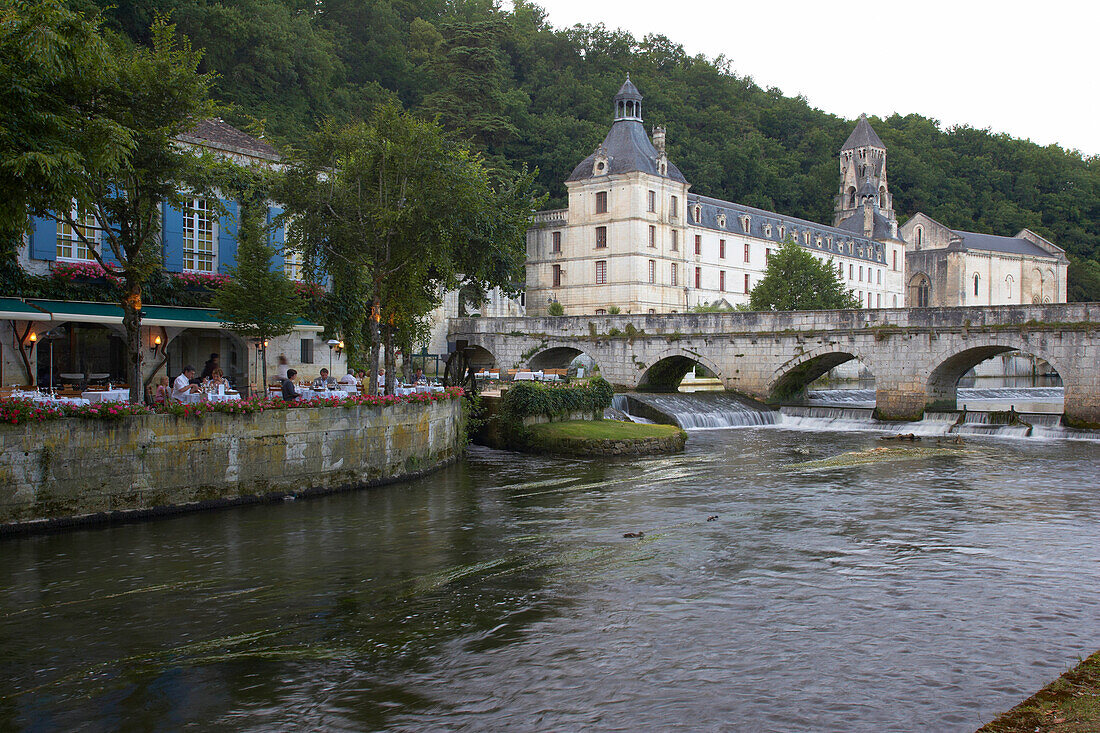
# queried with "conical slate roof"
point(863, 136)
point(628, 91)
point(628, 149)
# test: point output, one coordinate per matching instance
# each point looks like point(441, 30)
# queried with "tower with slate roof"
point(863, 176)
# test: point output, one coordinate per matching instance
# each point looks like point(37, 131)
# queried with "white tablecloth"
point(222, 397)
point(527, 376)
point(487, 375)
point(47, 399)
point(112, 395)
point(189, 398)
point(306, 393)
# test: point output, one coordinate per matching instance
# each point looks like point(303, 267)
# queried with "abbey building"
point(635, 238)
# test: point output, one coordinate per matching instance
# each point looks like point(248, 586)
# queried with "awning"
point(16, 310)
point(111, 314)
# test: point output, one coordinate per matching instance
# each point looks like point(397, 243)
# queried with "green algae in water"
point(875, 455)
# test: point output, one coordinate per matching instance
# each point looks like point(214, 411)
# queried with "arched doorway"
point(920, 291)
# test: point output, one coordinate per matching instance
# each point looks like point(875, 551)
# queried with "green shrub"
point(526, 399)
point(555, 309)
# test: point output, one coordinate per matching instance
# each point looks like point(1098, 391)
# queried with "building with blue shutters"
point(73, 342)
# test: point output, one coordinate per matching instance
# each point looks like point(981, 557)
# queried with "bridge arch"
point(669, 368)
point(793, 377)
point(949, 367)
point(558, 357)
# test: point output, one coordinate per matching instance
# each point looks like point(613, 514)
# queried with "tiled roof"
point(995, 243)
point(628, 149)
point(217, 133)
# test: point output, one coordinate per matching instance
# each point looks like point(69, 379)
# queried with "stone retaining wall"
point(62, 471)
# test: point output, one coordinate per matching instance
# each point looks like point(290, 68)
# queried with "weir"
point(710, 411)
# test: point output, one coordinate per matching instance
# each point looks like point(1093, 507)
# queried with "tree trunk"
point(131, 321)
point(263, 385)
point(391, 363)
point(373, 365)
point(406, 357)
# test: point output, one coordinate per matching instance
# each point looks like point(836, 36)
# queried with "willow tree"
point(89, 139)
point(392, 213)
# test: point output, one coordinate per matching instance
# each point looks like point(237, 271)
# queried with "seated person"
point(289, 389)
point(217, 377)
point(349, 378)
point(324, 380)
point(163, 391)
point(420, 378)
point(183, 384)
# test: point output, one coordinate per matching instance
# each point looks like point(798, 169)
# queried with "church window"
point(721, 249)
point(651, 202)
point(697, 213)
point(975, 285)
point(675, 208)
point(675, 279)
point(601, 237)
point(675, 241)
point(746, 282)
point(746, 251)
point(653, 236)
point(653, 271)
point(556, 246)
point(851, 197)
point(557, 276)
point(698, 277)
point(920, 236)
point(601, 272)
point(698, 244)
point(601, 202)
point(722, 280)
point(1008, 287)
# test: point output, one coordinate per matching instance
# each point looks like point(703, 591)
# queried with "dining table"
point(106, 395)
point(45, 398)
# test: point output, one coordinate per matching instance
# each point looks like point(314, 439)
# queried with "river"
point(500, 594)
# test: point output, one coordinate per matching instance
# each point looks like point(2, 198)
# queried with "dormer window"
point(818, 242)
point(722, 221)
point(697, 213)
point(768, 230)
point(782, 232)
point(745, 222)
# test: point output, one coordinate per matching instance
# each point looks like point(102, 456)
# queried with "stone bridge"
point(916, 354)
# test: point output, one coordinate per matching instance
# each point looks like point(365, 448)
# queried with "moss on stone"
point(604, 437)
point(1069, 704)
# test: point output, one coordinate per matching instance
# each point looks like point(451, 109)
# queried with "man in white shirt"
point(349, 378)
point(183, 385)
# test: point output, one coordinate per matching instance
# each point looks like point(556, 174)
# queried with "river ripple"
point(498, 594)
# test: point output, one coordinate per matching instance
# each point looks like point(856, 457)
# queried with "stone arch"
point(851, 197)
point(920, 291)
point(557, 357)
point(479, 356)
point(792, 378)
point(669, 368)
point(943, 379)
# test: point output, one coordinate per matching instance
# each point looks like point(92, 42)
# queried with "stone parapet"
point(71, 470)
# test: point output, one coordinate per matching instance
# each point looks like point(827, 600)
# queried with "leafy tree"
point(108, 149)
point(259, 302)
point(796, 280)
point(395, 212)
point(555, 309)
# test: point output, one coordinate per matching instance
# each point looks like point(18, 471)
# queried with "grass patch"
point(1069, 704)
point(601, 430)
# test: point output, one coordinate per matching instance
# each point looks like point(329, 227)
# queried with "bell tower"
point(863, 175)
point(628, 102)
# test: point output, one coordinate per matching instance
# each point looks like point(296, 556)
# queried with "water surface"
point(500, 594)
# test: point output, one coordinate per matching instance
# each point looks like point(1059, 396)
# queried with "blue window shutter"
point(43, 239)
point(227, 237)
point(105, 250)
point(276, 238)
point(171, 233)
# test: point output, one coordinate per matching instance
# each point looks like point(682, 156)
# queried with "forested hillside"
point(526, 92)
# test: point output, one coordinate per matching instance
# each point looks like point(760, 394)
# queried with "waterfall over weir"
point(709, 411)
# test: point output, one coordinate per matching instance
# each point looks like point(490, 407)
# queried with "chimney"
point(868, 219)
point(659, 139)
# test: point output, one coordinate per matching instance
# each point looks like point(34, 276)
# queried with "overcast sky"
point(1026, 68)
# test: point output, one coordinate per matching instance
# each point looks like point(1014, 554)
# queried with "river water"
point(500, 594)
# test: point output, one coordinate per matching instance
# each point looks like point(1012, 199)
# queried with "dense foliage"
point(526, 399)
point(525, 92)
point(797, 281)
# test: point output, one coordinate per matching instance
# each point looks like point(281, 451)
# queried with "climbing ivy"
point(526, 399)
